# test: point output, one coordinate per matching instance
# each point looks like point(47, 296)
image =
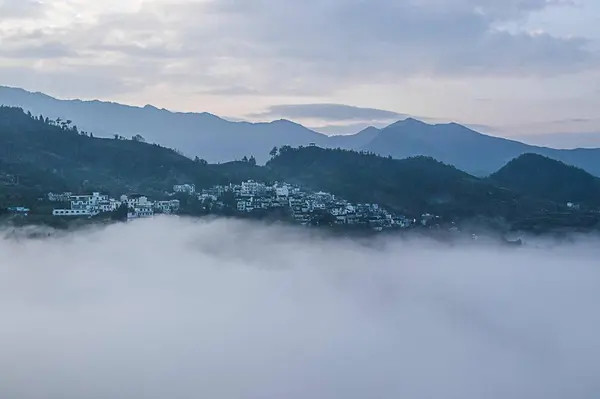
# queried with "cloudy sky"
point(526, 66)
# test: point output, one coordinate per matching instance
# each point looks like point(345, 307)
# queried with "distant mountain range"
point(471, 151)
point(218, 140)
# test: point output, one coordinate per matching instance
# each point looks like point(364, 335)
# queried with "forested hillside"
point(55, 155)
point(411, 185)
point(218, 140)
point(38, 155)
point(542, 177)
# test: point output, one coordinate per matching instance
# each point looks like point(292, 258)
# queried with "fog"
point(173, 308)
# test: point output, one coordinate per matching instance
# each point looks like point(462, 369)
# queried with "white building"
point(64, 197)
point(86, 205)
point(137, 200)
point(139, 206)
point(108, 206)
point(282, 191)
point(71, 212)
point(141, 209)
point(207, 197)
point(167, 207)
point(251, 188)
point(184, 188)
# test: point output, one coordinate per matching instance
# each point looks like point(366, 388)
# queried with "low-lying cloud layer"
point(179, 309)
point(330, 112)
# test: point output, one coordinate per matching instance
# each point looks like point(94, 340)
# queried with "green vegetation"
point(412, 186)
point(38, 155)
point(541, 177)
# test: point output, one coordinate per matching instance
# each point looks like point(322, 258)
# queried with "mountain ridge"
point(218, 140)
point(537, 175)
point(467, 149)
point(39, 155)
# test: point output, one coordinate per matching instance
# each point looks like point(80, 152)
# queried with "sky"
point(168, 308)
point(505, 66)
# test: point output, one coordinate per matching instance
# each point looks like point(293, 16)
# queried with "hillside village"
point(138, 206)
point(248, 198)
point(305, 207)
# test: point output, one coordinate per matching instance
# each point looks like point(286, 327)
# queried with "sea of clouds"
point(178, 309)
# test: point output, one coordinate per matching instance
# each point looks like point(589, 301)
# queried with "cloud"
point(329, 112)
point(231, 91)
point(21, 9)
point(74, 80)
point(36, 51)
point(563, 140)
point(226, 309)
point(381, 39)
point(309, 48)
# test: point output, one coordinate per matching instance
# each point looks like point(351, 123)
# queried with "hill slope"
point(218, 140)
point(58, 158)
point(36, 156)
point(467, 149)
point(197, 134)
point(542, 177)
point(414, 185)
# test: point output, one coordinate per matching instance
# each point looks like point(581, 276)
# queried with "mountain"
point(542, 177)
point(467, 149)
point(353, 141)
point(196, 134)
point(413, 185)
point(37, 153)
point(218, 140)
point(37, 156)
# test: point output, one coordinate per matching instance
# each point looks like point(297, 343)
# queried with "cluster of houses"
point(305, 207)
point(138, 206)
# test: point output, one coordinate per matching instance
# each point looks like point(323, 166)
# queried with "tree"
point(284, 149)
point(91, 135)
point(252, 160)
point(274, 152)
point(139, 138)
point(200, 161)
point(116, 136)
point(120, 213)
point(245, 159)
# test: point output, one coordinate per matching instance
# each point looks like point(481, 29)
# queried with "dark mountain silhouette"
point(467, 149)
point(542, 177)
point(52, 157)
point(412, 185)
point(218, 140)
point(38, 155)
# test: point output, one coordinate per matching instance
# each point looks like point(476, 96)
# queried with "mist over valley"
point(182, 308)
